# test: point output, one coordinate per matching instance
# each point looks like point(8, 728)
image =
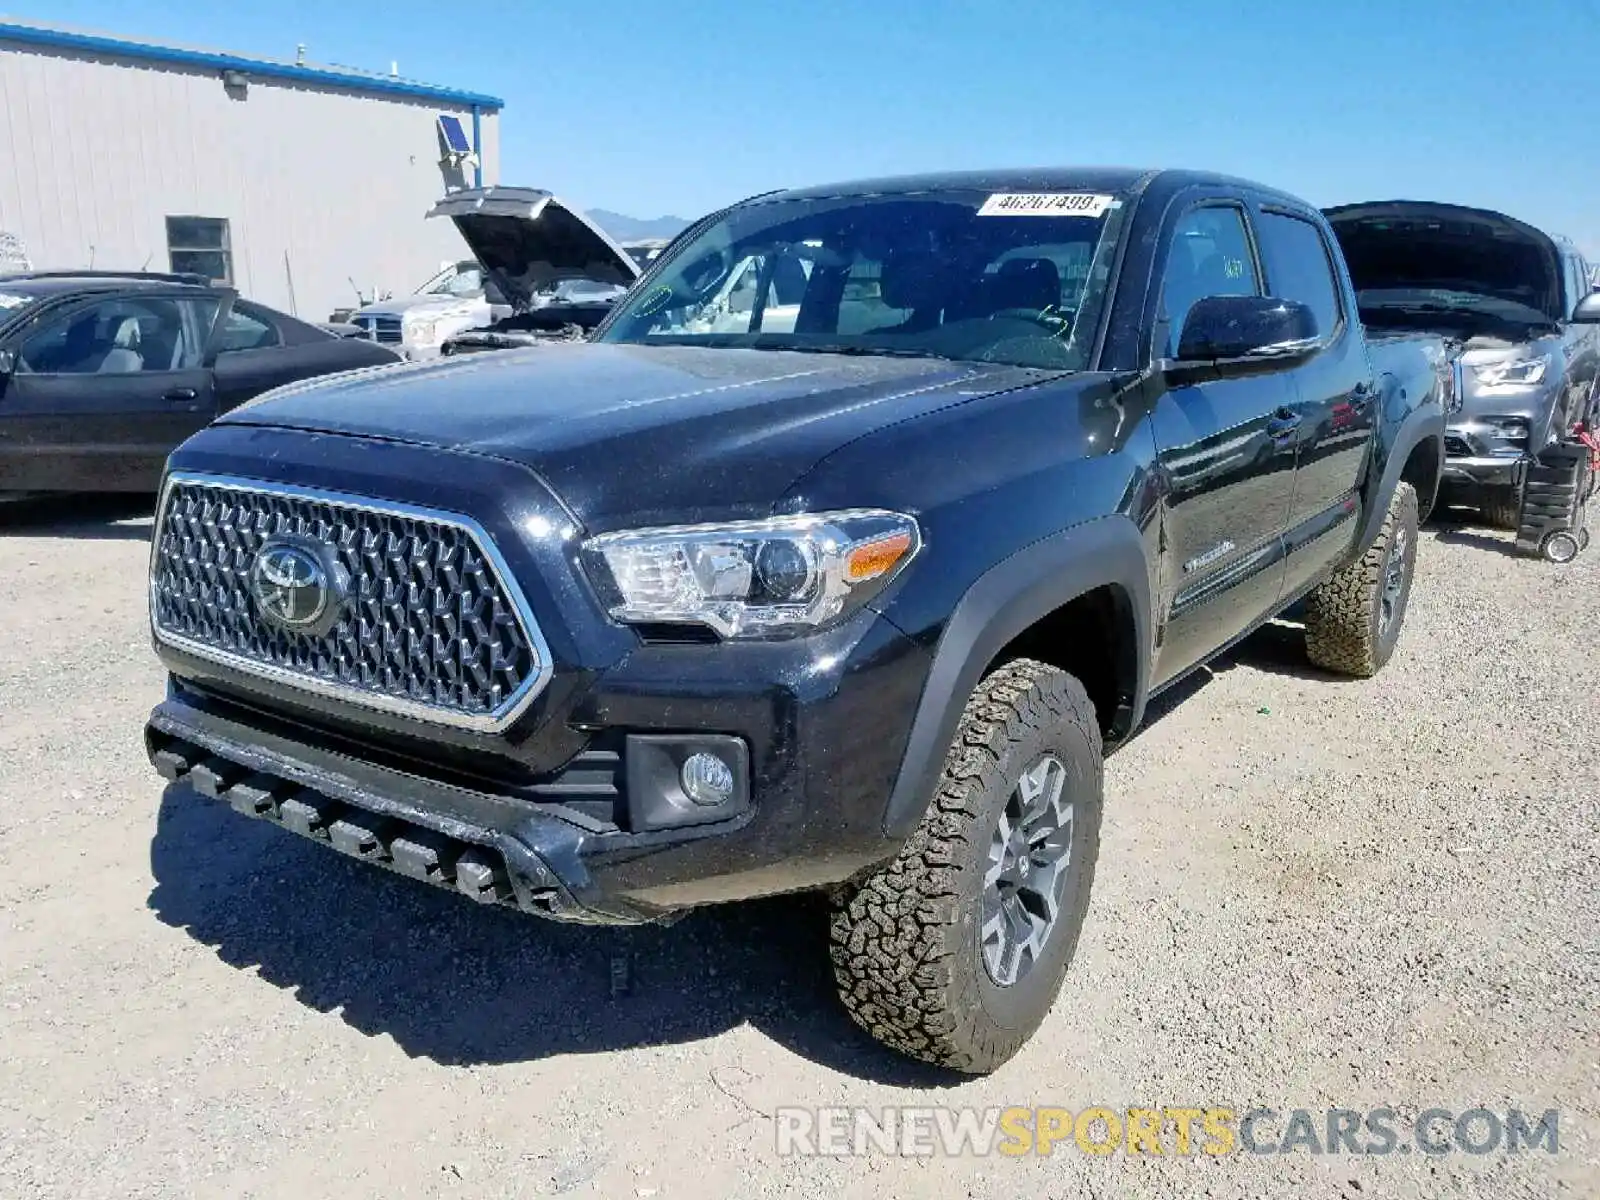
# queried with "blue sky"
point(649, 108)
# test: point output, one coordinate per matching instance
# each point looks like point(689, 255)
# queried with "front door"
point(101, 395)
point(1225, 450)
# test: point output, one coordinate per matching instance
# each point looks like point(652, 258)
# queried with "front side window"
point(124, 336)
point(1210, 256)
point(200, 245)
point(1298, 267)
point(1577, 283)
point(956, 274)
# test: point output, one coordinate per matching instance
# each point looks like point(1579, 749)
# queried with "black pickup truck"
point(846, 595)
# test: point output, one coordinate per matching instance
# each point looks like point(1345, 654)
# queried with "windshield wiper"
point(870, 351)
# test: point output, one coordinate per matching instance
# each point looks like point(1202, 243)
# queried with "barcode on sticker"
point(1045, 204)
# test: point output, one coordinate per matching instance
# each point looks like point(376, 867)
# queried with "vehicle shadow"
point(117, 517)
point(464, 985)
point(1279, 648)
point(1453, 535)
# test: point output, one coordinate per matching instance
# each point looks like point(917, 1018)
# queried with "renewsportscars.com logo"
point(1177, 1130)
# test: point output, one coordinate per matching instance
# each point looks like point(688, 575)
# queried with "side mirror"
point(1588, 310)
point(1223, 328)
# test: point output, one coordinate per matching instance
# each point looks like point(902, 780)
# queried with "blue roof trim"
point(258, 68)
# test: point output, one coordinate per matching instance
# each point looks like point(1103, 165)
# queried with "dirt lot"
point(1312, 894)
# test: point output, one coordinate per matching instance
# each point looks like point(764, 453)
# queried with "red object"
point(1585, 436)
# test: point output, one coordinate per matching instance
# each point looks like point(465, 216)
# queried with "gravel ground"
point(1312, 894)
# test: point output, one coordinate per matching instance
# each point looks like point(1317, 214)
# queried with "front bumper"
point(824, 745)
point(1478, 472)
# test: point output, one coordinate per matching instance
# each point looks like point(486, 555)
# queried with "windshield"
point(582, 291)
point(968, 276)
point(1392, 305)
point(463, 279)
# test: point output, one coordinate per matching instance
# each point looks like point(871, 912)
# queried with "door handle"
point(1284, 422)
point(181, 395)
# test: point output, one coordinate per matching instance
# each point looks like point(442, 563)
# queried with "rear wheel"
point(954, 952)
point(1353, 620)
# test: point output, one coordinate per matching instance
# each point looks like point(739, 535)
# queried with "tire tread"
point(892, 952)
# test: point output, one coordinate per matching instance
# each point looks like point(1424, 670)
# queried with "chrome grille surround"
point(435, 626)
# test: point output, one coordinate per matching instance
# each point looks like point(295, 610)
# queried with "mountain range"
point(633, 229)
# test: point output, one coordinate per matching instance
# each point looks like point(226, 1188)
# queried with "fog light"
point(706, 779)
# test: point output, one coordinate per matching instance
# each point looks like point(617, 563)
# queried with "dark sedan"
point(101, 375)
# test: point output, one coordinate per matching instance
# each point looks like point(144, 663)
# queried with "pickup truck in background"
point(1517, 309)
point(558, 270)
point(541, 265)
point(694, 610)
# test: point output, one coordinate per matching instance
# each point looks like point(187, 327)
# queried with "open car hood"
point(1410, 244)
point(527, 239)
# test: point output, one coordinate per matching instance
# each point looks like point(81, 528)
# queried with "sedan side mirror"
point(1252, 328)
point(1588, 310)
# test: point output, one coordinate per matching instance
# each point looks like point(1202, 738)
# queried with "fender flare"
point(1001, 604)
point(1415, 427)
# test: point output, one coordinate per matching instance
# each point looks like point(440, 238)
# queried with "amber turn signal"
point(875, 558)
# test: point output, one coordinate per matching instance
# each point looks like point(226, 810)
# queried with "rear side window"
point(1298, 267)
point(246, 330)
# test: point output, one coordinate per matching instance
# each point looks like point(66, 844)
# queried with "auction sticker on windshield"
point(1045, 204)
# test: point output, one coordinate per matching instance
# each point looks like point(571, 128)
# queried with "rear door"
point(1223, 450)
point(257, 349)
point(1334, 411)
point(104, 391)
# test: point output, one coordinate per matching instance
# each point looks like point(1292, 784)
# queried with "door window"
point(244, 330)
point(124, 336)
point(1577, 283)
point(1298, 267)
point(1210, 256)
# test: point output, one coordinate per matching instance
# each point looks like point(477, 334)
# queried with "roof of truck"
point(1116, 180)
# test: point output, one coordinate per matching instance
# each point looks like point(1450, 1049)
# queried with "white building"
point(289, 181)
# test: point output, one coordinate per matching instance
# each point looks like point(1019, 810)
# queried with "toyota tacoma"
point(697, 609)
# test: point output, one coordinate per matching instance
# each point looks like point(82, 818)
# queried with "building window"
point(200, 245)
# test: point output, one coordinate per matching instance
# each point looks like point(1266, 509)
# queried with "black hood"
point(638, 434)
point(528, 239)
point(1417, 245)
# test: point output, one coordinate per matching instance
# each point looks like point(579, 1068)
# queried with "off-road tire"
point(1501, 507)
point(906, 941)
point(1344, 632)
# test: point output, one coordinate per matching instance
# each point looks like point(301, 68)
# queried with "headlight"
point(424, 333)
point(1515, 372)
point(787, 575)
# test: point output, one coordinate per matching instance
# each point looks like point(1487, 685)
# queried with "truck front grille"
point(388, 330)
point(428, 620)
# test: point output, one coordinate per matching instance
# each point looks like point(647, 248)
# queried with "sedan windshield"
point(970, 276)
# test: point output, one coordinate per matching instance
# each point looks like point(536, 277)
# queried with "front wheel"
point(954, 952)
point(1353, 620)
point(1501, 507)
